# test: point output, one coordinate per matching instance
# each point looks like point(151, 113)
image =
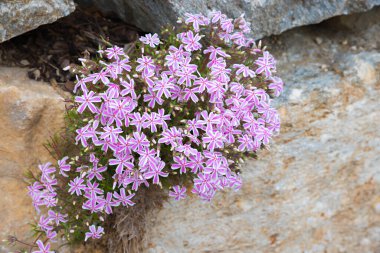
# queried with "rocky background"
point(318, 187)
point(19, 16)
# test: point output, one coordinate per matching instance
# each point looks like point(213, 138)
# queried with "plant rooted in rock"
point(180, 111)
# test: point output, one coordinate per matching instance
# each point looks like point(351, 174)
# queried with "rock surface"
point(318, 188)
point(20, 16)
point(267, 16)
point(30, 112)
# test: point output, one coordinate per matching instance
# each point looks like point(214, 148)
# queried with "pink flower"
point(114, 52)
point(175, 56)
point(216, 170)
point(147, 155)
point(45, 223)
point(242, 69)
point(139, 141)
point(87, 100)
point(63, 166)
point(94, 203)
point(217, 16)
point(93, 188)
point(153, 98)
point(108, 203)
point(122, 160)
point(163, 86)
point(227, 25)
point(180, 163)
point(95, 171)
point(80, 83)
point(57, 217)
point(171, 136)
point(263, 134)
point(100, 76)
point(162, 118)
point(178, 193)
point(46, 171)
point(214, 139)
point(266, 64)
point(204, 181)
point(214, 52)
point(137, 121)
point(190, 94)
point(156, 172)
point(76, 186)
point(146, 64)
point(151, 121)
point(129, 88)
point(196, 163)
point(120, 66)
point(95, 232)
point(51, 235)
point(209, 119)
point(43, 248)
point(191, 41)
point(111, 132)
point(123, 199)
point(234, 181)
point(246, 143)
point(151, 40)
point(186, 149)
point(196, 20)
point(239, 39)
point(277, 85)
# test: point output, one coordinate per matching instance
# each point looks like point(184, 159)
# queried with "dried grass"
point(126, 227)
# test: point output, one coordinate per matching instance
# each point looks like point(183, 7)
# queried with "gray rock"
point(20, 16)
point(317, 189)
point(267, 16)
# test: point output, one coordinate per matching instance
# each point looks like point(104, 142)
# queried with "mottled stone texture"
point(20, 16)
point(318, 188)
point(30, 112)
point(267, 16)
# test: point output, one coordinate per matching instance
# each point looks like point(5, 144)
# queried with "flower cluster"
point(179, 111)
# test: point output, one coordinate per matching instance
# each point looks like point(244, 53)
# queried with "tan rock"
point(30, 112)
